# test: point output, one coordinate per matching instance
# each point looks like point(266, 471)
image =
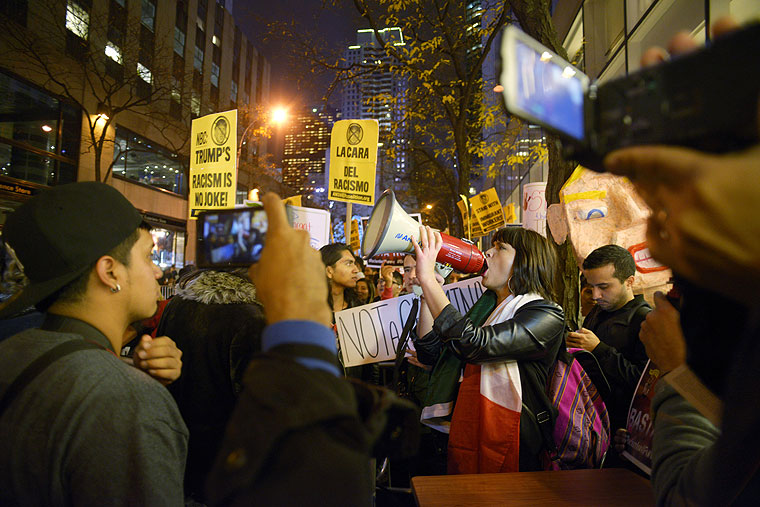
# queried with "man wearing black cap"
point(78, 425)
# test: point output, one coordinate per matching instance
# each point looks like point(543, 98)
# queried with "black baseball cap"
point(59, 234)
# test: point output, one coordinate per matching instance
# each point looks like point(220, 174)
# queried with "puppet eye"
point(591, 212)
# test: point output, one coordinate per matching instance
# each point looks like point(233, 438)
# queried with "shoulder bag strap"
point(38, 366)
point(403, 340)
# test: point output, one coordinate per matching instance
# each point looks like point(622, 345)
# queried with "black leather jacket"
point(532, 338)
point(533, 334)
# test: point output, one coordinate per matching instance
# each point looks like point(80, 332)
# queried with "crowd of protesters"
point(233, 392)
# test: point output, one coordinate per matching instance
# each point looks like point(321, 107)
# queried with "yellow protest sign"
point(213, 157)
point(294, 200)
point(510, 213)
point(487, 208)
point(353, 158)
point(474, 229)
point(355, 241)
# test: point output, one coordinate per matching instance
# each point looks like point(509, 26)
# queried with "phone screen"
point(551, 93)
point(231, 237)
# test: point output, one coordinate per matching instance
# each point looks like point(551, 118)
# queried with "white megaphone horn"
point(390, 229)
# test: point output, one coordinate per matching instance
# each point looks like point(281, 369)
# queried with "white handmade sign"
point(534, 207)
point(315, 221)
point(370, 333)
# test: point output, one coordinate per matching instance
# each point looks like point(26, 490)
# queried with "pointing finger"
point(275, 210)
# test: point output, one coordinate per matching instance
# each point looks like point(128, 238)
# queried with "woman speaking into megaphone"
point(506, 344)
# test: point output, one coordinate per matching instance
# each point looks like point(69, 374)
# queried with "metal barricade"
point(167, 291)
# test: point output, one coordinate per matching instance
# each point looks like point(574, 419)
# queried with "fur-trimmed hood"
point(218, 287)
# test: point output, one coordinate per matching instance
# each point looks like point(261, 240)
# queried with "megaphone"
point(390, 229)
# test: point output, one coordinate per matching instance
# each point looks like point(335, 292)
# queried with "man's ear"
point(629, 282)
point(106, 271)
point(329, 272)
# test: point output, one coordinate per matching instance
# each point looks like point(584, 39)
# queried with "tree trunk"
point(535, 19)
point(568, 285)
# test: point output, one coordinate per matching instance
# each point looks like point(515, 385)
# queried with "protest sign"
point(294, 200)
point(355, 241)
point(213, 162)
point(510, 213)
point(462, 295)
point(353, 159)
point(534, 207)
point(315, 221)
point(471, 224)
point(487, 209)
point(370, 333)
point(640, 427)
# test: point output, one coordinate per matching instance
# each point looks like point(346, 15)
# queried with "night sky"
point(336, 26)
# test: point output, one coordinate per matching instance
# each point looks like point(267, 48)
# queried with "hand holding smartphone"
point(231, 237)
point(675, 103)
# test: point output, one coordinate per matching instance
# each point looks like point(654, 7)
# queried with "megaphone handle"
point(443, 269)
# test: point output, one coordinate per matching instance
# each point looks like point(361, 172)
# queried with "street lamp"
point(436, 215)
point(279, 115)
point(103, 111)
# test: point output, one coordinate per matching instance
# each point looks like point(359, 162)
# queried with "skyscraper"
point(380, 94)
point(306, 143)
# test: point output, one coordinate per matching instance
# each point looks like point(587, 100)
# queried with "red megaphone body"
point(390, 229)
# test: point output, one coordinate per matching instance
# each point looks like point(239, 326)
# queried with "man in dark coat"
point(611, 329)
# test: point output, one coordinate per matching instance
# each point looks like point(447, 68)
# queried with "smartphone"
point(706, 99)
point(541, 87)
point(231, 237)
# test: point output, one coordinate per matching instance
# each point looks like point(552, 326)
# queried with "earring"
point(116, 289)
point(509, 280)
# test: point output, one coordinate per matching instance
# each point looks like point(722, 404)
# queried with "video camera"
point(706, 99)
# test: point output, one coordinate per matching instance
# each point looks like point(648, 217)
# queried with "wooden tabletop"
point(614, 486)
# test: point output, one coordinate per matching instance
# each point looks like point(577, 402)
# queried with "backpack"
point(581, 433)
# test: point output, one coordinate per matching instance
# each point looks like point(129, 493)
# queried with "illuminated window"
point(144, 73)
point(113, 52)
point(195, 104)
point(139, 159)
point(77, 19)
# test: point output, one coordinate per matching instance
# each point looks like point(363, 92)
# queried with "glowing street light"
point(102, 111)
point(279, 115)
point(429, 206)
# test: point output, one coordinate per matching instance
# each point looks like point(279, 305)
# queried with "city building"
point(106, 89)
point(605, 39)
point(307, 140)
point(380, 94)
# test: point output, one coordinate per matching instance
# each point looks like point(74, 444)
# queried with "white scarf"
point(500, 381)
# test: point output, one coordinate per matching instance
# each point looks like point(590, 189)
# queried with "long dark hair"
point(331, 254)
point(535, 265)
point(370, 287)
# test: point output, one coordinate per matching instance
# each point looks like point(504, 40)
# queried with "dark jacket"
point(532, 338)
point(620, 354)
point(304, 436)
point(216, 322)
